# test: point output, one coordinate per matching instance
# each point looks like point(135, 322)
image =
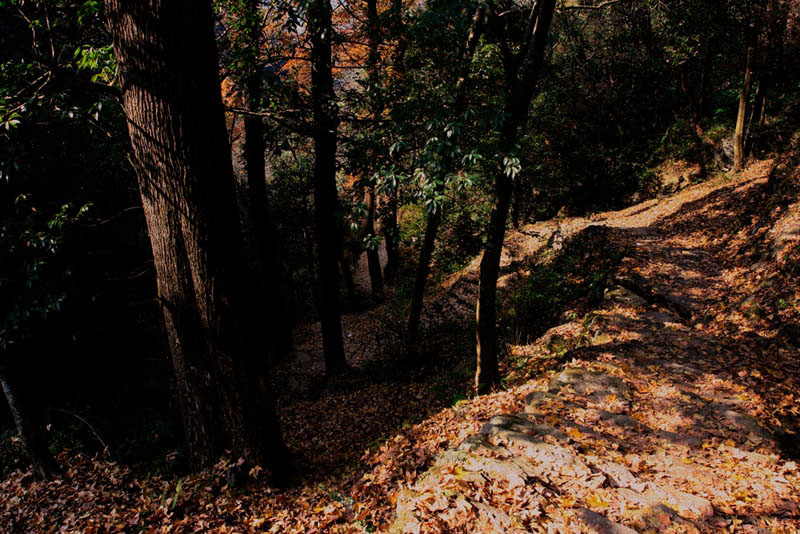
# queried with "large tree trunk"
point(171, 97)
point(738, 135)
point(521, 75)
point(327, 228)
point(27, 421)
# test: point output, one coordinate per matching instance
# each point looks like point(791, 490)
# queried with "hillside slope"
point(667, 404)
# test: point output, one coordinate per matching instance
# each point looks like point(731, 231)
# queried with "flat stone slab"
point(598, 524)
point(538, 399)
point(514, 423)
point(683, 504)
point(597, 386)
point(737, 419)
point(623, 295)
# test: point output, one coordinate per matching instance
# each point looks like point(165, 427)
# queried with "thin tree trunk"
point(326, 201)
point(27, 423)
point(705, 78)
point(423, 266)
point(391, 237)
point(171, 97)
point(376, 105)
point(487, 372)
point(271, 275)
point(434, 219)
point(697, 133)
point(738, 135)
point(274, 294)
point(373, 253)
point(389, 226)
point(760, 105)
point(522, 71)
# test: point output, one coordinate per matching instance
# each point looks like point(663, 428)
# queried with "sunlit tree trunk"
point(738, 135)
point(167, 62)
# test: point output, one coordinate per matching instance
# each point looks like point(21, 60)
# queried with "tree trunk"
point(738, 135)
point(328, 231)
point(171, 97)
point(487, 373)
point(376, 105)
point(760, 105)
point(522, 71)
point(434, 219)
point(27, 423)
point(271, 276)
point(696, 129)
point(391, 236)
point(423, 266)
point(262, 239)
point(373, 253)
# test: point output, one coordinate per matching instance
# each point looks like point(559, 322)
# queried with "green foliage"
point(577, 273)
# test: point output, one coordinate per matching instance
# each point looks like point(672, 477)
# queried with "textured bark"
point(738, 135)
point(328, 232)
point(28, 425)
point(171, 97)
point(521, 71)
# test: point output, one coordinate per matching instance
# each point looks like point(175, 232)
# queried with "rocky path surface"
point(654, 425)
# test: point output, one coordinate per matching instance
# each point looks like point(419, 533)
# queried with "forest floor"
point(661, 399)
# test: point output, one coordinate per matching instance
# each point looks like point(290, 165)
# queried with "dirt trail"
point(663, 419)
point(668, 408)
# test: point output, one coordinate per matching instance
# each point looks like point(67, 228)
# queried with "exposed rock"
point(623, 295)
point(684, 504)
point(687, 505)
point(561, 333)
point(679, 305)
point(600, 387)
point(550, 459)
point(739, 420)
point(618, 475)
point(491, 520)
point(660, 317)
point(616, 418)
point(538, 399)
point(600, 525)
point(518, 424)
point(476, 443)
